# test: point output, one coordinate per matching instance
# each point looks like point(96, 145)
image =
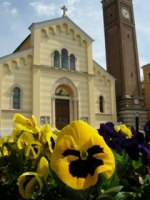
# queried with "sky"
point(17, 15)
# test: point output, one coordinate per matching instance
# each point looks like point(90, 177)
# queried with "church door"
point(62, 113)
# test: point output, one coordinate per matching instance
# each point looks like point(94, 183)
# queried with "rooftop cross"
point(64, 11)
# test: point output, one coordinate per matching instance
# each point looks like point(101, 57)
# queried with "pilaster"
point(36, 44)
point(89, 59)
point(1, 72)
point(91, 101)
point(113, 103)
point(36, 93)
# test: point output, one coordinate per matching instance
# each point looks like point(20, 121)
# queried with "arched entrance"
point(64, 107)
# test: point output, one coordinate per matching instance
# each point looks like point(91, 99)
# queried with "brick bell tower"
point(122, 61)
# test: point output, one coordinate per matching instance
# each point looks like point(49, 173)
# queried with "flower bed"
point(77, 162)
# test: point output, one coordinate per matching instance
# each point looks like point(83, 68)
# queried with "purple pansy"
point(113, 139)
point(147, 130)
point(145, 150)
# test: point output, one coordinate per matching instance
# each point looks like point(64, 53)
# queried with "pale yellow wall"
point(1, 81)
point(146, 71)
point(16, 71)
point(19, 74)
point(59, 41)
point(45, 42)
point(104, 85)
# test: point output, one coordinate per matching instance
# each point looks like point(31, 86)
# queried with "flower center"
point(83, 155)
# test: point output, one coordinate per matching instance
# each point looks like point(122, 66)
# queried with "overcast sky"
point(17, 15)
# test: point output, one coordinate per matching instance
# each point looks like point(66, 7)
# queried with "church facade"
point(53, 76)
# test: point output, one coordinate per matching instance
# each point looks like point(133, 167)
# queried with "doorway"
point(62, 113)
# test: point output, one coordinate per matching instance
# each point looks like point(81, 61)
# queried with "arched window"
point(64, 59)
point(56, 59)
point(72, 62)
point(16, 98)
point(101, 104)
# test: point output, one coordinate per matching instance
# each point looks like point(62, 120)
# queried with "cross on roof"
point(64, 11)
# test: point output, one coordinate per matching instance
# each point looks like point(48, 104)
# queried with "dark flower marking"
point(35, 148)
point(53, 142)
point(27, 181)
point(81, 168)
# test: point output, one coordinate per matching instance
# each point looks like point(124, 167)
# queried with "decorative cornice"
point(106, 2)
point(15, 110)
point(62, 70)
point(128, 1)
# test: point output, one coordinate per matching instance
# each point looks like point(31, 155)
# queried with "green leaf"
point(16, 165)
point(114, 181)
point(104, 197)
point(118, 157)
point(122, 167)
point(113, 191)
point(77, 194)
point(146, 191)
point(3, 162)
point(123, 196)
point(124, 182)
point(137, 164)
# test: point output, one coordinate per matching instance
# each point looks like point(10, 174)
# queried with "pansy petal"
point(34, 185)
point(43, 167)
point(24, 139)
point(27, 124)
point(23, 180)
point(33, 150)
point(66, 142)
point(79, 130)
point(107, 169)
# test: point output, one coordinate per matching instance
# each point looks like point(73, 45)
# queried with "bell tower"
point(122, 60)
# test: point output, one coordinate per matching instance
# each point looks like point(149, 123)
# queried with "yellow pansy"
point(80, 155)
point(124, 130)
point(48, 138)
point(4, 151)
point(4, 139)
point(25, 139)
point(26, 124)
point(45, 133)
point(56, 131)
point(31, 182)
point(33, 150)
point(16, 132)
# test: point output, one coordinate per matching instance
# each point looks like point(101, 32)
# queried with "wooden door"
point(62, 113)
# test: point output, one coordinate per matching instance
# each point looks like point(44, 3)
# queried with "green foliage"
point(130, 180)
